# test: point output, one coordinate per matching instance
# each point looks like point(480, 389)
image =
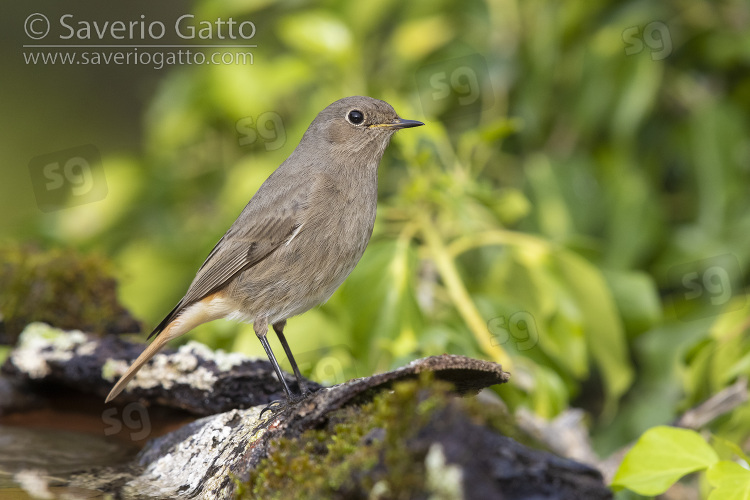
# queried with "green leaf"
point(734, 447)
point(552, 213)
point(730, 356)
point(602, 326)
point(565, 340)
point(731, 480)
point(661, 457)
point(550, 396)
point(382, 293)
point(637, 298)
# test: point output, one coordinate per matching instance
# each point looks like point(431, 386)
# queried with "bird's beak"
point(399, 123)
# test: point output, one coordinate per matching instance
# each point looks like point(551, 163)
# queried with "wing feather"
point(252, 238)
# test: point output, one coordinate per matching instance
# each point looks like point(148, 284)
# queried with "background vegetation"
point(576, 208)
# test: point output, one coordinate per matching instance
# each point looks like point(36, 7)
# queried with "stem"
point(460, 296)
point(497, 237)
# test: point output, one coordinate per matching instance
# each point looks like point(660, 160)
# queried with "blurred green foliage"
point(561, 222)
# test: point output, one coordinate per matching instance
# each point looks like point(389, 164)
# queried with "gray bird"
point(298, 238)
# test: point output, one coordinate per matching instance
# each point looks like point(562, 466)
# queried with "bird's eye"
point(355, 117)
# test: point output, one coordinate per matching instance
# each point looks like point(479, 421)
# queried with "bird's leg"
point(278, 327)
point(261, 329)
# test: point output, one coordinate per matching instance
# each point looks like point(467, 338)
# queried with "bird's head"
point(357, 125)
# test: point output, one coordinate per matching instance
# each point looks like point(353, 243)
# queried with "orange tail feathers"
point(208, 309)
point(147, 354)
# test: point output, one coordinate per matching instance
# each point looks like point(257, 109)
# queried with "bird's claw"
point(280, 405)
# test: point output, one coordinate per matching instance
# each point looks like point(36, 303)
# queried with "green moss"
point(4, 352)
point(361, 451)
point(61, 288)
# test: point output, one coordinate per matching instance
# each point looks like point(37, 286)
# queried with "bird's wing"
point(255, 235)
point(239, 249)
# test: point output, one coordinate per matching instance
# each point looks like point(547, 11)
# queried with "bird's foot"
point(281, 406)
point(278, 406)
point(275, 407)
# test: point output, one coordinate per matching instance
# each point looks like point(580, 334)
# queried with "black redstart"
point(298, 238)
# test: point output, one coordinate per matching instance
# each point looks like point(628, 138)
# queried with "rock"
point(401, 434)
point(416, 441)
point(14, 398)
point(566, 434)
point(192, 378)
point(200, 459)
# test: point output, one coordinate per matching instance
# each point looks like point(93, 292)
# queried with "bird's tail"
point(180, 320)
point(147, 354)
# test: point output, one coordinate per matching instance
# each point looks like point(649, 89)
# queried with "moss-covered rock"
point(360, 449)
point(405, 433)
point(418, 441)
point(59, 287)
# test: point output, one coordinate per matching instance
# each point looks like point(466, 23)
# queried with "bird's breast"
point(332, 235)
point(344, 212)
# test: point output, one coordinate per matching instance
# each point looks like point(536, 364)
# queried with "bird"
point(297, 239)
